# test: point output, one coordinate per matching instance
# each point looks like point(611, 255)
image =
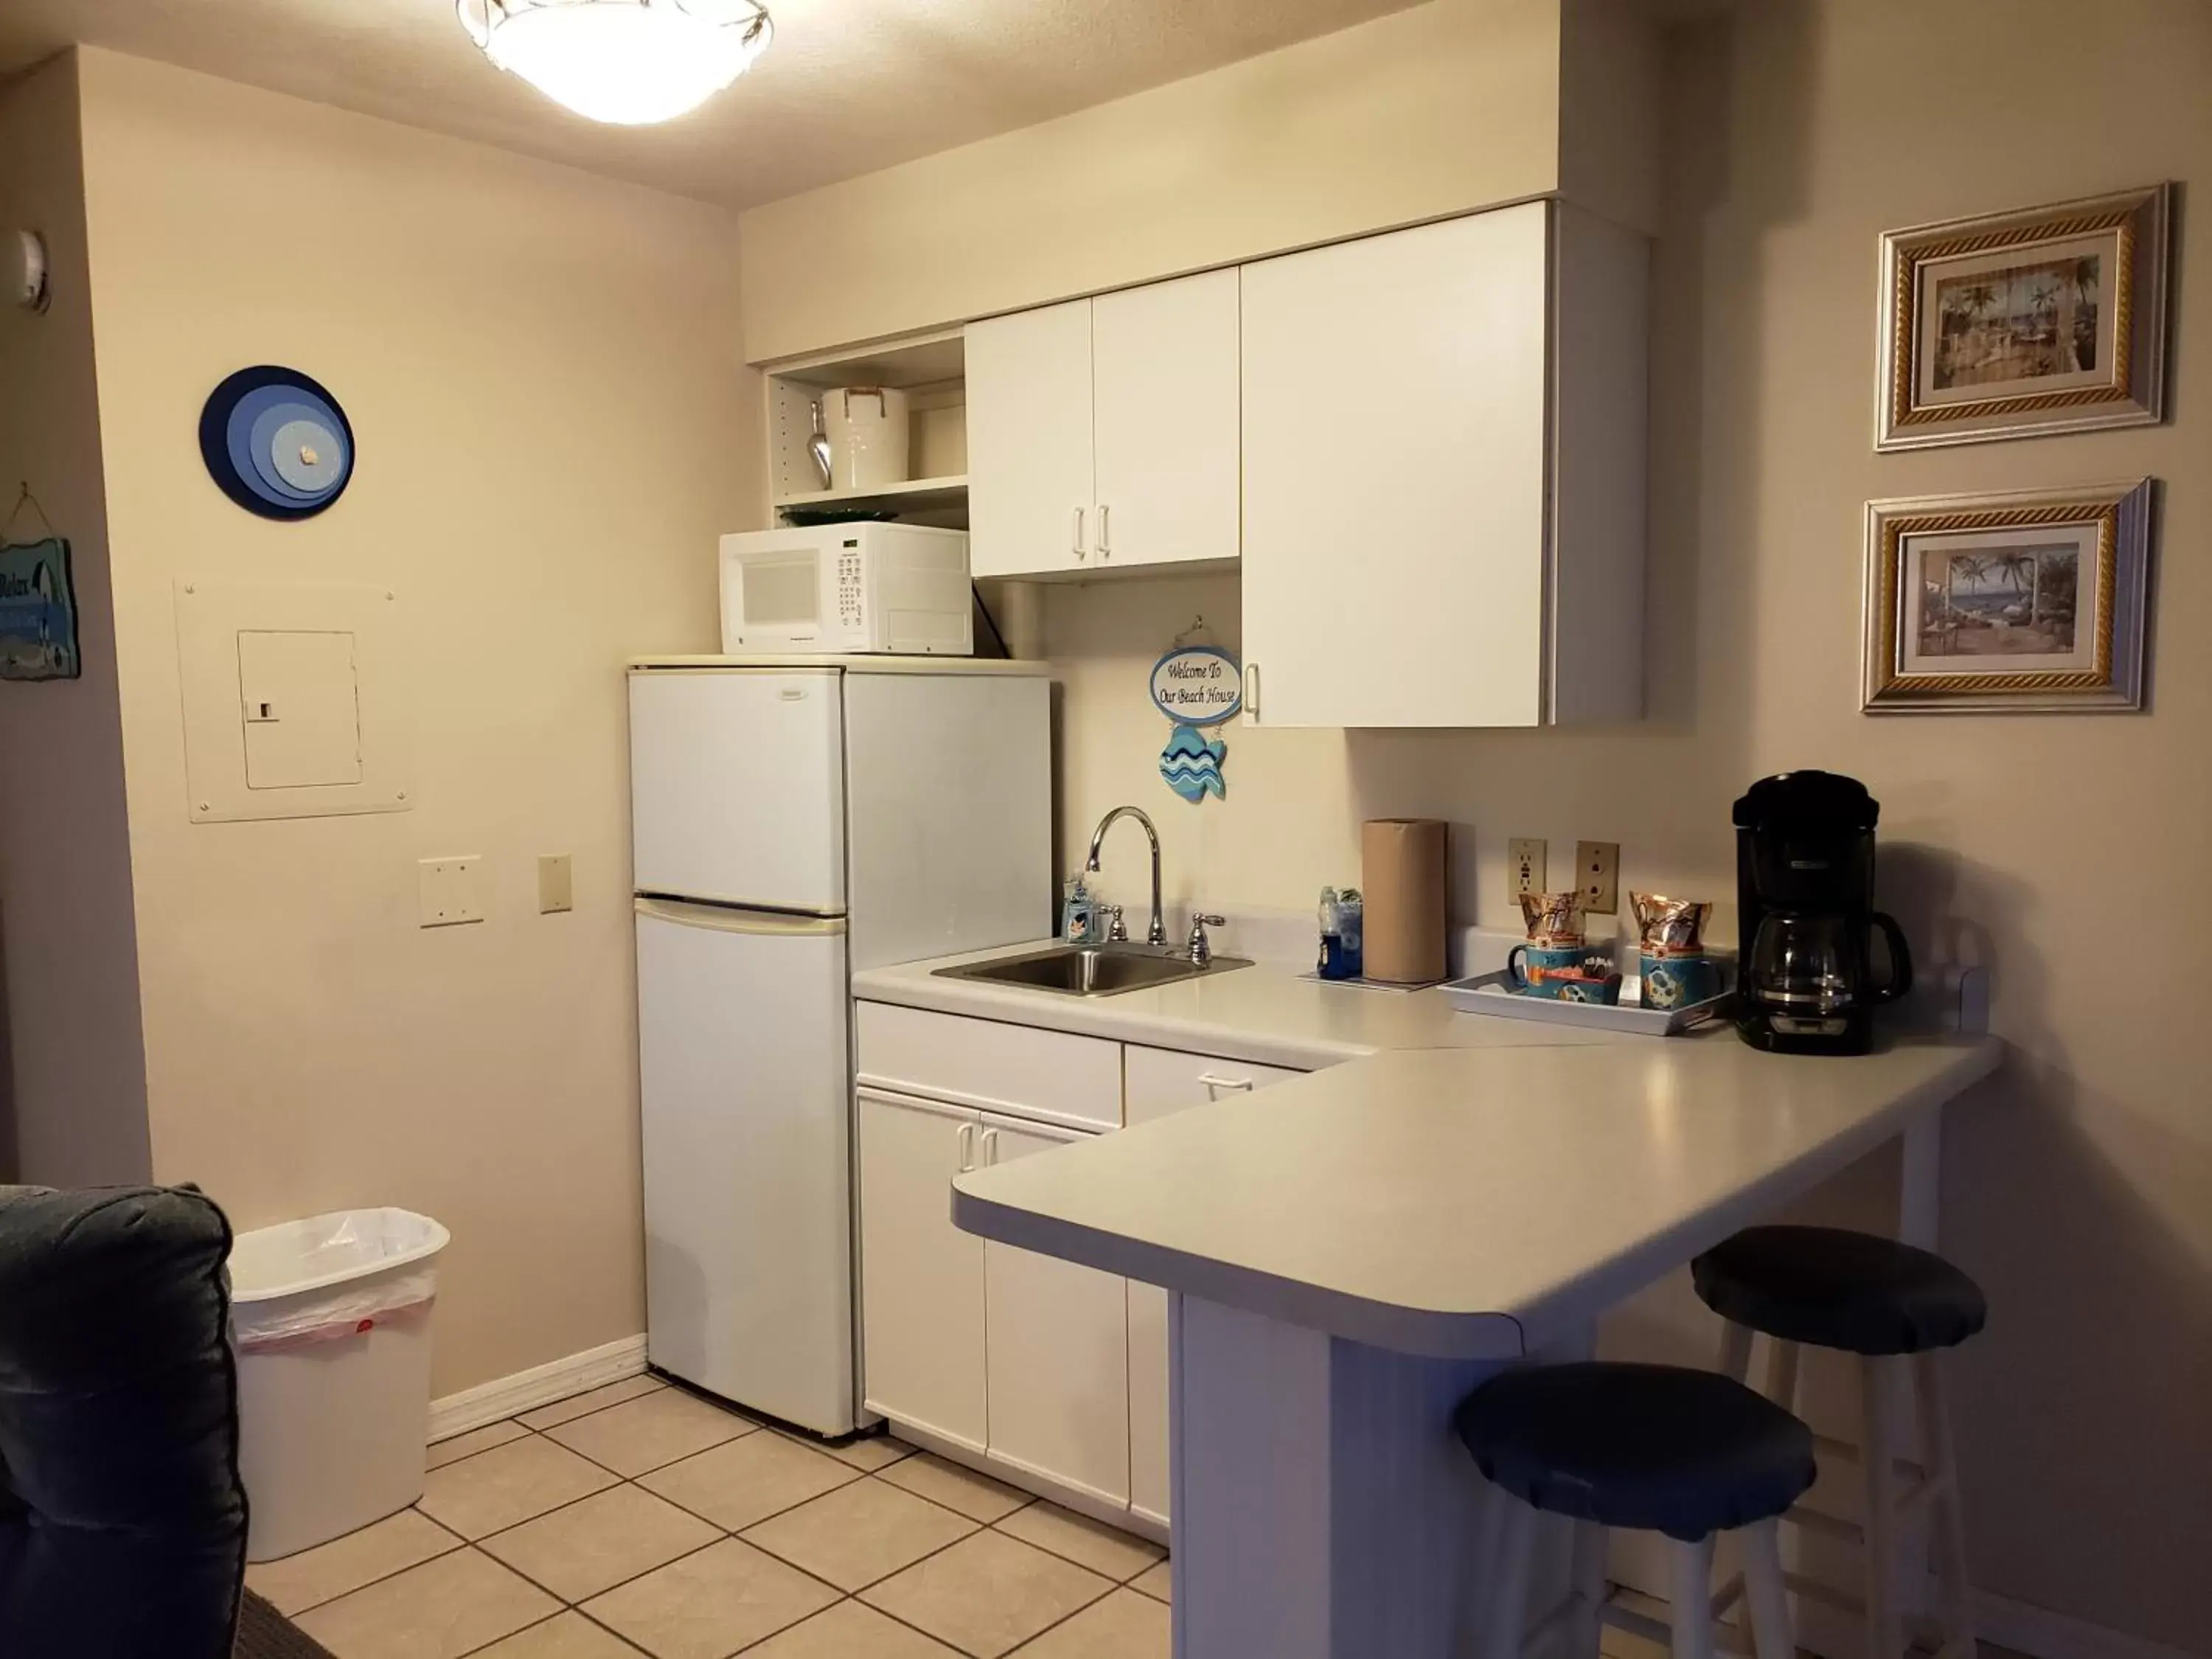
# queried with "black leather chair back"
point(122, 1516)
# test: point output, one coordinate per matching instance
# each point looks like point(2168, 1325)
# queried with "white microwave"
point(900, 588)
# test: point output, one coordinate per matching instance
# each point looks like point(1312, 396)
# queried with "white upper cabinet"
point(1165, 391)
point(1102, 434)
point(1407, 435)
point(1029, 508)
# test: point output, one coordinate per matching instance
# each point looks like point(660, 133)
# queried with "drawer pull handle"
point(1217, 1085)
point(967, 1147)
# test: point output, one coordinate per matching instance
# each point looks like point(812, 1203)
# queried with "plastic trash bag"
point(345, 1310)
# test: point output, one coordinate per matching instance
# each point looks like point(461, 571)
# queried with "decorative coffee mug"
point(1604, 992)
point(1532, 968)
point(1679, 982)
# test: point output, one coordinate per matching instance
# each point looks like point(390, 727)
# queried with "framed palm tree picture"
point(2013, 324)
point(2026, 602)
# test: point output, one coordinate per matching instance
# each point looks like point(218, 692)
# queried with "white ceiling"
point(849, 85)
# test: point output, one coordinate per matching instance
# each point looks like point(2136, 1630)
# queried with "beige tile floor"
point(641, 1519)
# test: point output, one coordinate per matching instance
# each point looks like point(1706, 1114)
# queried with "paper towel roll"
point(1402, 874)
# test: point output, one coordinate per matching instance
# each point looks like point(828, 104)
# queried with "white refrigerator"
point(794, 820)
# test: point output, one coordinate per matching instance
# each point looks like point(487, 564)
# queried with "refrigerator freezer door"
point(738, 787)
point(746, 1092)
point(949, 777)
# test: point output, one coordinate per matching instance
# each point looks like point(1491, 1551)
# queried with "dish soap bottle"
point(1331, 962)
point(1078, 914)
point(1352, 929)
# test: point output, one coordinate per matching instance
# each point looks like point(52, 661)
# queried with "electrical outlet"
point(1597, 874)
point(1524, 866)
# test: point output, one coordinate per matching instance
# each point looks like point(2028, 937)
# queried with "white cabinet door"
point(921, 1278)
point(1160, 1082)
point(1395, 428)
point(1059, 1379)
point(1029, 443)
point(1164, 366)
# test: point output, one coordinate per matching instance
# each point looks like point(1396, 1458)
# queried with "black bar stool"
point(1897, 1308)
point(1654, 1448)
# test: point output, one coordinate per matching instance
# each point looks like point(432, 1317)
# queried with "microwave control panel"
point(848, 584)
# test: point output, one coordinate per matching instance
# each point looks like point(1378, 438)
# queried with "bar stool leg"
point(1878, 1450)
point(1735, 1351)
point(1505, 1586)
point(1950, 1522)
point(1767, 1593)
point(1781, 1375)
point(1691, 1598)
point(1587, 1582)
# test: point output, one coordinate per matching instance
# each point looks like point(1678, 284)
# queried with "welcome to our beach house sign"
point(1196, 686)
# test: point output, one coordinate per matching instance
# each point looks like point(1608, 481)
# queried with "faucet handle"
point(1201, 947)
point(1117, 932)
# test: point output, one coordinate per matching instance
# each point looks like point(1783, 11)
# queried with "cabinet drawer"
point(1053, 1075)
point(1162, 1080)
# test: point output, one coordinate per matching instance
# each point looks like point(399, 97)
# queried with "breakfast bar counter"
point(1350, 1253)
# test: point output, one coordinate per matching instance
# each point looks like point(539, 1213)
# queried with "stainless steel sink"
point(1103, 970)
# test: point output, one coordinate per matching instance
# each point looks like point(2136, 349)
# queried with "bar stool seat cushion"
point(1833, 1288)
point(1657, 1448)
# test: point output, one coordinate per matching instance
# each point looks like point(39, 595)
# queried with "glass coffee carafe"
point(1813, 965)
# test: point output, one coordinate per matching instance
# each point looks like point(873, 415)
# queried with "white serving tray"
point(1493, 994)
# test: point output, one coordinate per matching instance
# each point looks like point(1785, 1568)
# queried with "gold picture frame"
point(2025, 601)
point(2015, 325)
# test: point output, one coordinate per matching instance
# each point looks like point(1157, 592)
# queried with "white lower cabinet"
point(1056, 1349)
point(921, 1278)
point(1052, 1370)
point(1159, 1081)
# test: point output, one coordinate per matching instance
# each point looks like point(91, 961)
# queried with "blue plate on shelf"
point(276, 442)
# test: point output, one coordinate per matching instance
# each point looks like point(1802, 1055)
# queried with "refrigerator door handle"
point(722, 920)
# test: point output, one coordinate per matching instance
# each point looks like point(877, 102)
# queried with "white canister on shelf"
point(867, 428)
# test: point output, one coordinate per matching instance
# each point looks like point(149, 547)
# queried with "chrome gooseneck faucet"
point(1158, 931)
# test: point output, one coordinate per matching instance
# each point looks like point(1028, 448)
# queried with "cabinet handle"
point(1215, 1086)
point(1252, 692)
point(967, 1147)
point(990, 1148)
point(1079, 532)
point(1105, 544)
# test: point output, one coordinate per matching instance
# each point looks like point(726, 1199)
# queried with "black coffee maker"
point(1804, 875)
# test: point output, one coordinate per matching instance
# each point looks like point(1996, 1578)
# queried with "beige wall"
point(543, 371)
point(2069, 851)
point(68, 954)
point(1415, 115)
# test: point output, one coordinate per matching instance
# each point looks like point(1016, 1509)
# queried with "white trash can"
point(332, 1320)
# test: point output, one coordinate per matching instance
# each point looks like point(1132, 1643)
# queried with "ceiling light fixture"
point(627, 62)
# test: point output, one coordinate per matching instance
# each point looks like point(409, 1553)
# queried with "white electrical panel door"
point(949, 790)
point(738, 787)
point(294, 699)
point(299, 697)
point(1395, 421)
point(744, 1097)
point(921, 1278)
point(1164, 365)
point(1030, 498)
point(1057, 1349)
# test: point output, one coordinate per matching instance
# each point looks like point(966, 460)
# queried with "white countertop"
point(1264, 1014)
point(1468, 1203)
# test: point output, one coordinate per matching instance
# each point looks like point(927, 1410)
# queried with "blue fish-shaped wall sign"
point(1192, 765)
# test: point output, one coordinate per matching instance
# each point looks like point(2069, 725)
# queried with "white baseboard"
point(541, 1385)
point(2029, 1629)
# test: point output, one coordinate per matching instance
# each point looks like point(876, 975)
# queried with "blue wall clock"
point(276, 443)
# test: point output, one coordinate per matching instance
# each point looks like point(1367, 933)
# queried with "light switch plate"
point(1597, 874)
point(556, 889)
point(448, 890)
point(1525, 857)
